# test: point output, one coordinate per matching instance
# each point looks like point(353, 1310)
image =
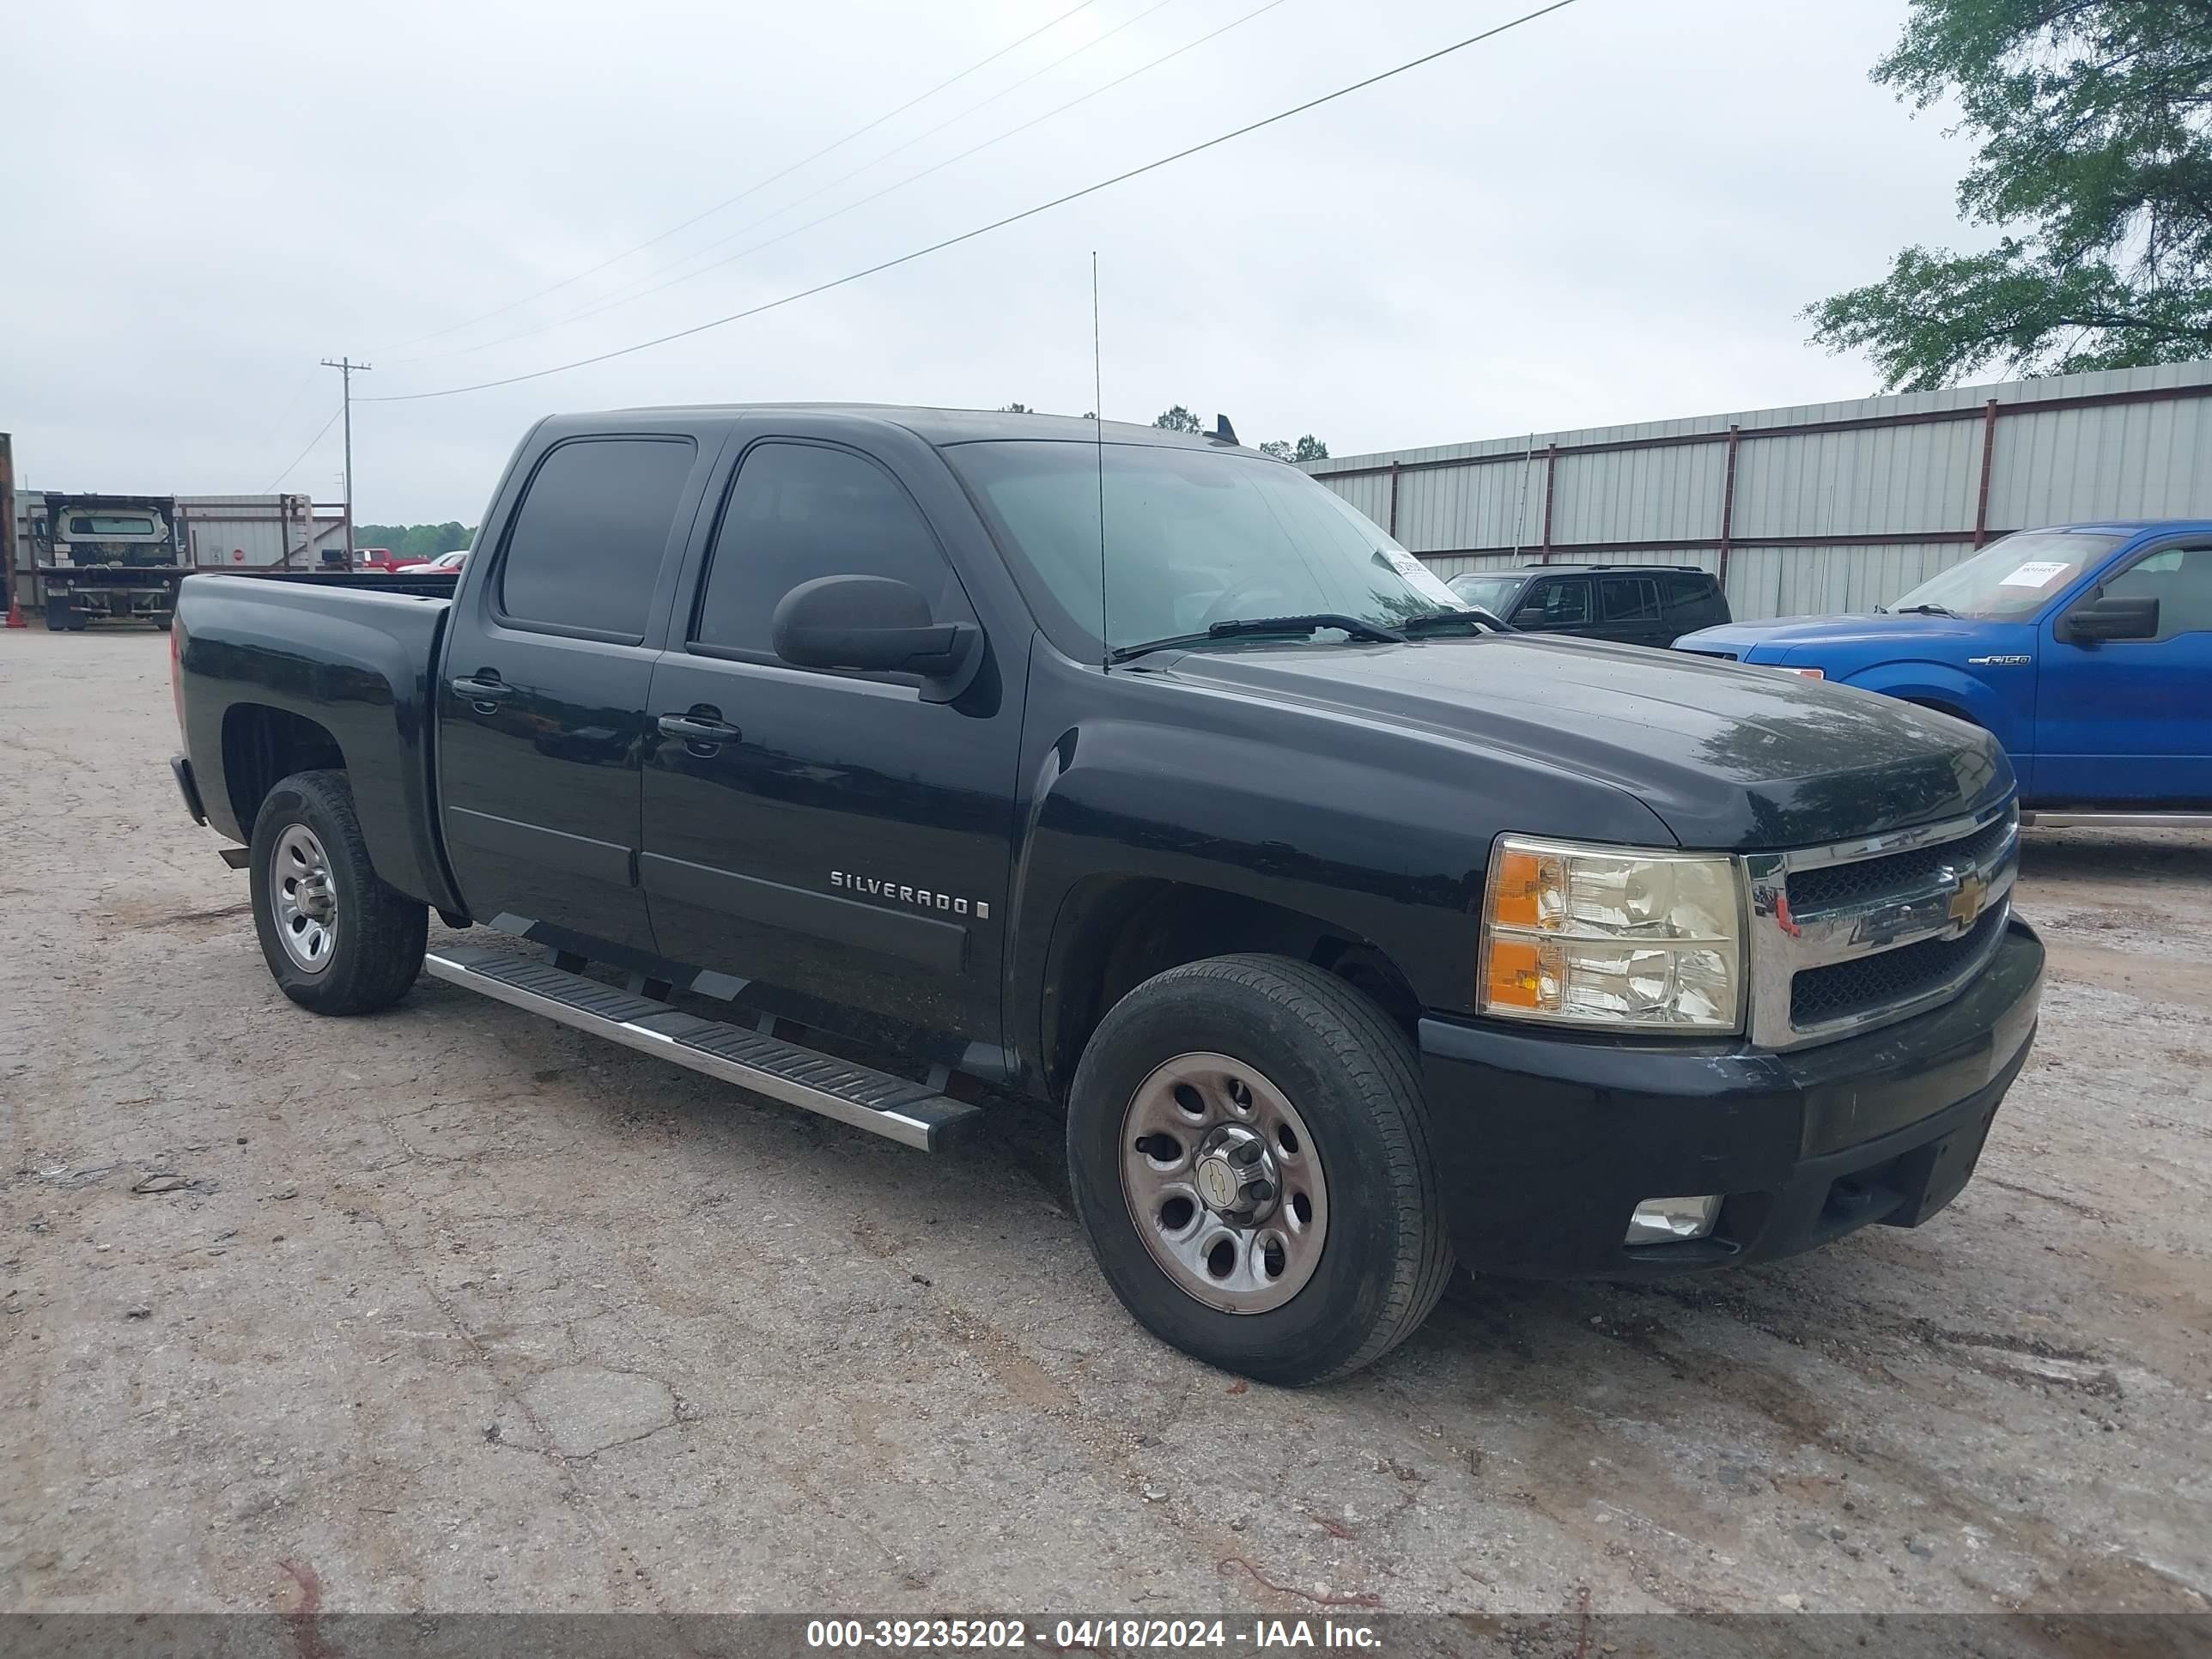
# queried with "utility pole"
point(347, 369)
point(8, 525)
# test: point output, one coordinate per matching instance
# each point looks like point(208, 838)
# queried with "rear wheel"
point(1248, 1149)
point(337, 937)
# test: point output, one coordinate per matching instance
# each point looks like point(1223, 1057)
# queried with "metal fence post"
point(1728, 504)
point(1551, 493)
point(1988, 455)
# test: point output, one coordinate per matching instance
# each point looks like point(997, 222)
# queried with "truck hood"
point(1880, 630)
point(1726, 756)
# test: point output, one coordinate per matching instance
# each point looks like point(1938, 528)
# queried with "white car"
point(452, 560)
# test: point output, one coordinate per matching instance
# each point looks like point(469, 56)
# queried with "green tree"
point(2092, 121)
point(1179, 419)
point(1308, 448)
point(415, 541)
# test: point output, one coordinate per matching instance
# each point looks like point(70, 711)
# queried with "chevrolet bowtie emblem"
point(1973, 893)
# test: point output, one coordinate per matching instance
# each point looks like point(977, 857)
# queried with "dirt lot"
point(455, 1309)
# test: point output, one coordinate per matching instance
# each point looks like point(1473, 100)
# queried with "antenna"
point(1099, 436)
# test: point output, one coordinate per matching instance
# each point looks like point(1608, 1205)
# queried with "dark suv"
point(1632, 604)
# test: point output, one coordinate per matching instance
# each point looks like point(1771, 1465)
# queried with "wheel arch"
point(1114, 931)
point(262, 746)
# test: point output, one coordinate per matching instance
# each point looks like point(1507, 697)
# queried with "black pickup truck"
point(1352, 931)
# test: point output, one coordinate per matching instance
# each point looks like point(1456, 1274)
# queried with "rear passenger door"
point(541, 708)
point(1555, 604)
point(836, 835)
point(1628, 610)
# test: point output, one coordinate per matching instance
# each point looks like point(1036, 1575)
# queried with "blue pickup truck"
point(2086, 650)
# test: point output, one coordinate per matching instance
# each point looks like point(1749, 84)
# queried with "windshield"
point(2009, 581)
point(1493, 593)
point(1193, 538)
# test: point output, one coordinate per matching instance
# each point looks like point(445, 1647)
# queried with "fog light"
point(1665, 1220)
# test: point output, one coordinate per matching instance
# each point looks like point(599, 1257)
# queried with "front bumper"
point(1547, 1142)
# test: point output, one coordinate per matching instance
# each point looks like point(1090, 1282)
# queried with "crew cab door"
point(837, 835)
point(541, 706)
point(2120, 720)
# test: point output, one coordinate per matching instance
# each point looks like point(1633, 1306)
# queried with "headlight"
point(1603, 936)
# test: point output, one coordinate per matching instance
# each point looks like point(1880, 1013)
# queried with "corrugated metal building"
point(246, 530)
point(1821, 507)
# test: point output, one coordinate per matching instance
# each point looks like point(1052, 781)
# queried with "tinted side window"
point(586, 542)
point(2181, 579)
point(1555, 604)
point(1688, 590)
point(799, 510)
point(1627, 598)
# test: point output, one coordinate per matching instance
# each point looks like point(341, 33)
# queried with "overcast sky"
point(1613, 213)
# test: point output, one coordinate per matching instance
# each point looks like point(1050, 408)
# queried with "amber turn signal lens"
point(1520, 880)
point(1515, 974)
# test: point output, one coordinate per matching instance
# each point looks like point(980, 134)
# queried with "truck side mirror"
point(872, 623)
point(2111, 618)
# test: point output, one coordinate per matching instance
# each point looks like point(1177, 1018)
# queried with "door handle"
point(485, 690)
point(700, 725)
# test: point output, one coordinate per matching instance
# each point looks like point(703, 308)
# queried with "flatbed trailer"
point(106, 558)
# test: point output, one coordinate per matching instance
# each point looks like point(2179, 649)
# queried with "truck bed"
point(273, 666)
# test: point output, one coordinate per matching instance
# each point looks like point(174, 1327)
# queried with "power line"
point(996, 224)
point(860, 202)
point(305, 453)
point(749, 190)
point(615, 298)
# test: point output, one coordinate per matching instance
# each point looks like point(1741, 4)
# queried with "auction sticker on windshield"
point(2036, 574)
point(1426, 581)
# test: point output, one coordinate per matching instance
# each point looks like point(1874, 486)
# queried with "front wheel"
point(337, 937)
point(1250, 1153)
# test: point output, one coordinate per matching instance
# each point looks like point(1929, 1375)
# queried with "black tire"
point(1351, 1075)
point(376, 948)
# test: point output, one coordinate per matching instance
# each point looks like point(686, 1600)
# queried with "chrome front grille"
point(1823, 887)
point(1851, 936)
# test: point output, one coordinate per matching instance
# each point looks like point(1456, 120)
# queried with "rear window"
point(585, 551)
point(110, 524)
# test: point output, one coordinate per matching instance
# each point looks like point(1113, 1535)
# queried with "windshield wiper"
point(1925, 611)
point(1474, 620)
point(1358, 628)
point(1355, 628)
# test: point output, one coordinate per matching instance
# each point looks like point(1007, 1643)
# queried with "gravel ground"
point(455, 1309)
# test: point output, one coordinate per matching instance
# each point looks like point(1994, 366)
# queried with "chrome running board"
point(910, 1113)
